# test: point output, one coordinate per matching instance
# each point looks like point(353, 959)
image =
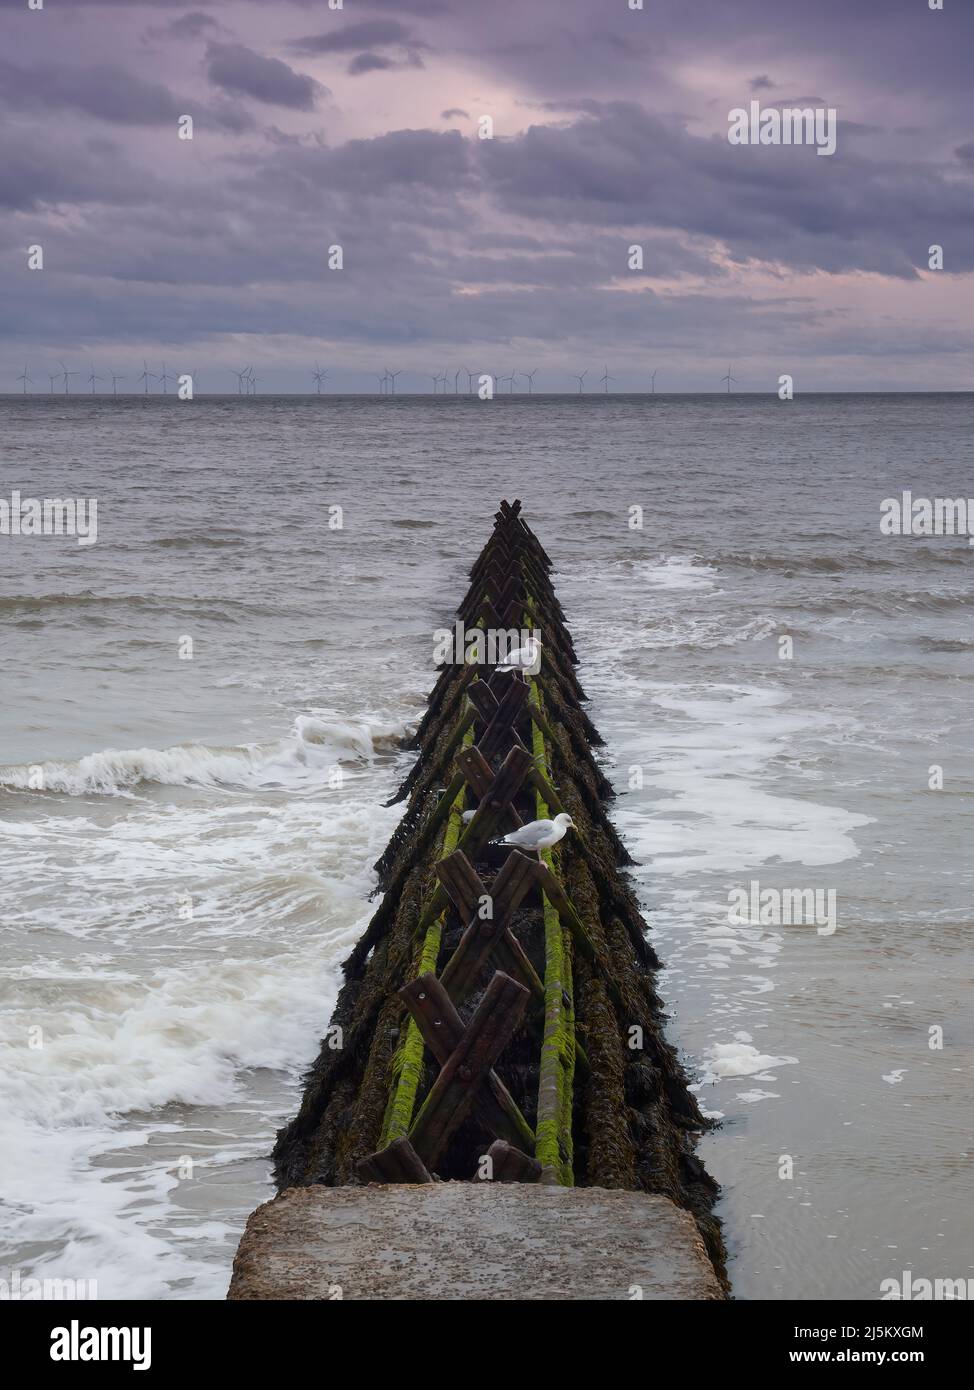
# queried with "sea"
point(201, 723)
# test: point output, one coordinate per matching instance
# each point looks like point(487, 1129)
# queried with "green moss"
point(553, 1131)
point(407, 1062)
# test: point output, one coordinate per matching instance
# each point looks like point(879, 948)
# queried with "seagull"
point(468, 816)
point(538, 834)
point(526, 658)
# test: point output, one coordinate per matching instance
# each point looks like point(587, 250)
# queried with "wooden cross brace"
point(498, 715)
point(478, 775)
point(499, 585)
point(487, 936)
point(468, 1055)
point(495, 794)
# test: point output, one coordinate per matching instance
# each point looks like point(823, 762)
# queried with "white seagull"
point(538, 834)
point(526, 658)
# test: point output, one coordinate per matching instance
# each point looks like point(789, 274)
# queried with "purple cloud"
point(242, 72)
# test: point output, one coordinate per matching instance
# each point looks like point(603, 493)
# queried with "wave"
point(798, 563)
point(801, 564)
point(890, 602)
point(192, 542)
point(945, 644)
point(85, 599)
point(302, 761)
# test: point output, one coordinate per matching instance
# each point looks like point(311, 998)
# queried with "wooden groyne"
point(499, 1020)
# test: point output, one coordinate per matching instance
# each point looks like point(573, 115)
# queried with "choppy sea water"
point(175, 904)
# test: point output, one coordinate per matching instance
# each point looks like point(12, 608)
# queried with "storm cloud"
point(242, 72)
point(607, 132)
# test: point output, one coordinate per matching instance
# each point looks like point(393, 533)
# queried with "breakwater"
point(499, 1020)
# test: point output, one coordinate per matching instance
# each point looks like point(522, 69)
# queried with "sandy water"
point(176, 903)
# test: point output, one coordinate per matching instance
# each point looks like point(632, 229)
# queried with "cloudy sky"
point(359, 126)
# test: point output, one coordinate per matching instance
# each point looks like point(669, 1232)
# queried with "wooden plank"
point(482, 936)
point(494, 806)
point(398, 1162)
point(461, 881)
point(483, 700)
point(487, 614)
point(500, 730)
point(509, 1164)
point(508, 591)
point(451, 1097)
point(442, 1029)
point(465, 889)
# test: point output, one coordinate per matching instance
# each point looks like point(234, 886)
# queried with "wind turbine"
point(653, 381)
point(382, 380)
point(146, 376)
point(241, 377)
point(434, 378)
point(92, 378)
point(728, 378)
point(25, 376)
point(470, 377)
point(456, 382)
point(66, 374)
point(252, 389)
point(580, 379)
point(605, 379)
point(392, 377)
point(164, 378)
point(53, 378)
point(115, 379)
point(510, 379)
point(529, 378)
point(318, 377)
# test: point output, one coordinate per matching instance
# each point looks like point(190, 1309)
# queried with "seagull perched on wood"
point(526, 658)
point(538, 834)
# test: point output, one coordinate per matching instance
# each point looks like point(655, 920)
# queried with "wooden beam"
point(484, 936)
point(451, 1097)
point(397, 1162)
point(511, 1165)
point(442, 1030)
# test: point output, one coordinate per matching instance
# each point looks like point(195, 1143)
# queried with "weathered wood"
point(484, 700)
point(466, 888)
point(451, 1097)
point(431, 1006)
point(486, 614)
point(508, 591)
point(495, 804)
point(461, 881)
point(484, 935)
point(443, 807)
point(397, 1162)
point(500, 730)
point(560, 900)
point(509, 1164)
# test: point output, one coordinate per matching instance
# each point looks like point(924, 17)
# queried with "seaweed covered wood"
point(552, 1064)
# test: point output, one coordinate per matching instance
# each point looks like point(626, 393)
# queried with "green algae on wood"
point(407, 1063)
point(553, 1129)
